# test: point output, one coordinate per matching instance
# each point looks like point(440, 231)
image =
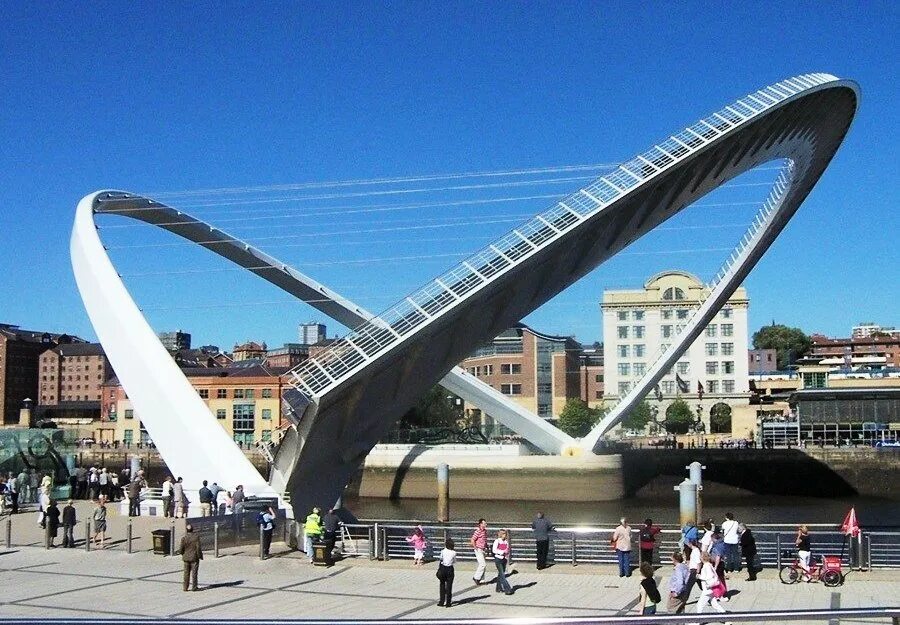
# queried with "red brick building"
point(876, 351)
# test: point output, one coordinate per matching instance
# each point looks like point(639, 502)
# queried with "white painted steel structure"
point(347, 397)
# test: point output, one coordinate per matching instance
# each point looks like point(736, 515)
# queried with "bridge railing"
point(591, 545)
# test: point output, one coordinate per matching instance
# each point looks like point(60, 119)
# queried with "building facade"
point(875, 350)
point(639, 324)
point(288, 356)
point(20, 352)
point(175, 341)
point(249, 351)
point(311, 333)
point(865, 329)
point(246, 401)
point(73, 373)
point(762, 360)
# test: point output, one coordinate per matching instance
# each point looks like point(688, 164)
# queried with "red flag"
point(850, 526)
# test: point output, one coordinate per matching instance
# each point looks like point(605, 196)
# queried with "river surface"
point(751, 509)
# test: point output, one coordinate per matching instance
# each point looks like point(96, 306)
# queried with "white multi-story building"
point(867, 328)
point(638, 323)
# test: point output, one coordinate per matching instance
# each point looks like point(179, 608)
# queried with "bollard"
point(216, 539)
point(376, 551)
point(443, 501)
point(134, 465)
point(47, 536)
point(172, 539)
point(574, 550)
point(371, 535)
point(9, 532)
point(778, 551)
point(262, 555)
point(87, 535)
point(385, 548)
point(687, 502)
point(128, 536)
point(695, 472)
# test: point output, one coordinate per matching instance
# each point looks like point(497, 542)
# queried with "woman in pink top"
point(419, 543)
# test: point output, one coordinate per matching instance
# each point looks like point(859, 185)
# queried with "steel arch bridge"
point(347, 397)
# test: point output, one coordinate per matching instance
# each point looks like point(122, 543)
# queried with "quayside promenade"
point(112, 583)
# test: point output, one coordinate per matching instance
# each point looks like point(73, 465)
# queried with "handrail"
point(775, 616)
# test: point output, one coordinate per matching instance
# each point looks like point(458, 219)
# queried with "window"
point(712, 386)
point(128, 437)
point(728, 367)
point(623, 351)
point(204, 393)
point(673, 292)
point(683, 368)
point(667, 314)
point(239, 393)
point(624, 368)
point(727, 349)
point(681, 313)
point(726, 313)
point(623, 388)
point(129, 413)
point(598, 394)
point(638, 332)
point(712, 349)
point(249, 393)
point(243, 415)
point(221, 393)
point(727, 329)
point(511, 369)
point(267, 393)
point(665, 347)
point(221, 413)
point(814, 380)
point(266, 436)
point(623, 332)
point(598, 377)
point(712, 330)
point(511, 389)
point(639, 350)
point(622, 315)
point(544, 387)
point(666, 331)
point(668, 387)
point(712, 368)
point(640, 368)
point(638, 315)
point(727, 386)
point(489, 370)
point(267, 414)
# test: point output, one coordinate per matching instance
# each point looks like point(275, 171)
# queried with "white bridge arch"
point(347, 397)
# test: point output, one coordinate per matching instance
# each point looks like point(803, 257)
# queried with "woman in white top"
point(445, 573)
point(709, 579)
point(500, 549)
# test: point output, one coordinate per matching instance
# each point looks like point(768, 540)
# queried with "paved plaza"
point(113, 583)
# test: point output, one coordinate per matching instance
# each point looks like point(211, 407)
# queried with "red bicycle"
point(828, 571)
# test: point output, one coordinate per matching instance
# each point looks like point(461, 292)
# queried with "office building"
point(175, 341)
point(311, 333)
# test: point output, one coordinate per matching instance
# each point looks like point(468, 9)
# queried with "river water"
point(873, 513)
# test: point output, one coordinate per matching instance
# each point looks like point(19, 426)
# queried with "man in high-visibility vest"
point(312, 529)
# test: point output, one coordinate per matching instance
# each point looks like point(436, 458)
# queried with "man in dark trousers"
point(542, 527)
point(191, 554)
point(134, 494)
point(331, 523)
point(68, 522)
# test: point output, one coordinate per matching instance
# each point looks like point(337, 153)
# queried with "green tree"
point(577, 418)
point(720, 419)
point(433, 410)
point(679, 417)
point(638, 418)
point(789, 343)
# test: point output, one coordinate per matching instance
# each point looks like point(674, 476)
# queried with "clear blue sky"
point(179, 96)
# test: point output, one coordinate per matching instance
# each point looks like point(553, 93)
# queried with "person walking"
point(103, 483)
point(267, 523)
point(647, 537)
point(445, 574)
point(500, 550)
point(94, 484)
point(748, 548)
point(134, 495)
point(237, 499)
point(52, 521)
point(695, 561)
point(706, 539)
point(12, 489)
point(478, 541)
point(206, 499)
point(99, 518)
point(419, 543)
point(215, 489)
point(33, 483)
point(178, 496)
point(312, 530)
point(191, 551)
point(167, 496)
point(679, 585)
point(648, 597)
point(541, 526)
point(621, 542)
point(804, 550)
point(709, 581)
point(69, 521)
point(731, 535)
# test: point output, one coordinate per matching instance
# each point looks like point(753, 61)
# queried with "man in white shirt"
point(731, 534)
point(706, 539)
point(167, 496)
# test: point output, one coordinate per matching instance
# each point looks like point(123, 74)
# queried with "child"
point(418, 542)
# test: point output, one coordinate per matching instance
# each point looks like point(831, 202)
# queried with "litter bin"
point(320, 554)
point(162, 542)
